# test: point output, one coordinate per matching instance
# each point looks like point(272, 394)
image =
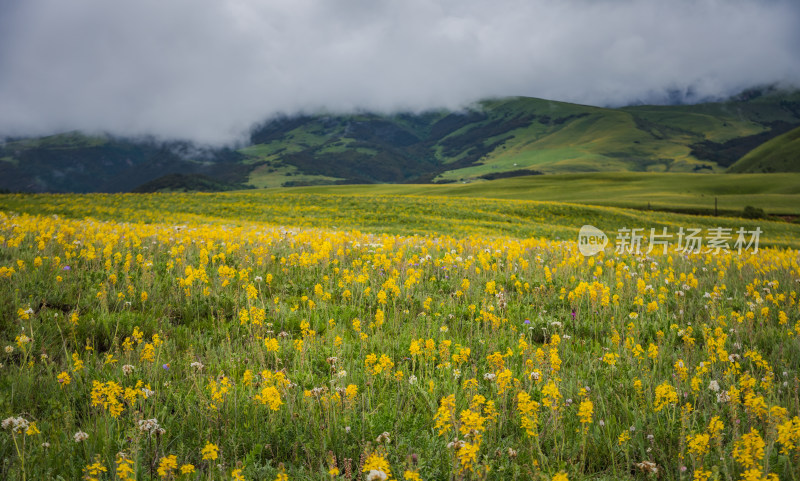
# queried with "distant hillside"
point(74, 162)
point(781, 154)
point(493, 139)
point(519, 135)
point(184, 183)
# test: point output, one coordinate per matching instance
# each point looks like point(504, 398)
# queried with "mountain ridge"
point(491, 139)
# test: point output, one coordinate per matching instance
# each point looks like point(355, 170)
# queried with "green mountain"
point(517, 136)
point(492, 139)
point(73, 162)
point(781, 154)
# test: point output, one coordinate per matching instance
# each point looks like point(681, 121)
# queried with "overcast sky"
point(207, 70)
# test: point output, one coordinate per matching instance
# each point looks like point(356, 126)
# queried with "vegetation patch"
point(255, 336)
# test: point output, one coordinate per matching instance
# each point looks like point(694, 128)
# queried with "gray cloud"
point(207, 70)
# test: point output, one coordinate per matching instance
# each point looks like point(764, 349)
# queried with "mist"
point(208, 70)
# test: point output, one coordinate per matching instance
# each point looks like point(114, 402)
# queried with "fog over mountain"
point(208, 70)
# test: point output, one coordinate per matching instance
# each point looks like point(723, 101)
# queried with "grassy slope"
point(513, 134)
point(775, 193)
point(646, 138)
point(781, 154)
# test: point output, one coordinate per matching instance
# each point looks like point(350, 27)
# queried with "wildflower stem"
point(21, 455)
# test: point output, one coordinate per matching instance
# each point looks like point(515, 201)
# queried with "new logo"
point(591, 240)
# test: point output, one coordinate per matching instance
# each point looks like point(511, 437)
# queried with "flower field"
point(233, 336)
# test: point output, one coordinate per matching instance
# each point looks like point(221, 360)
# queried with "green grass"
point(277, 175)
point(781, 154)
point(777, 194)
point(267, 152)
point(274, 172)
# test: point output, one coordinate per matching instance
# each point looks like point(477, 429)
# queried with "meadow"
point(776, 194)
point(325, 336)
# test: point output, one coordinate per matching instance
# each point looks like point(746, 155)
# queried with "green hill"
point(781, 154)
point(183, 183)
point(519, 136)
point(73, 162)
point(491, 140)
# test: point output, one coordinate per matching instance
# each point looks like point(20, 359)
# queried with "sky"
point(209, 70)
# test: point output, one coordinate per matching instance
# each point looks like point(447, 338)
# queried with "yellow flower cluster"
point(220, 313)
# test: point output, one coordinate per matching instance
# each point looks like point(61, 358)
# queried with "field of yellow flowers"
point(146, 341)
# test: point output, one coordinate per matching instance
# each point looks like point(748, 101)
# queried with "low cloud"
point(207, 70)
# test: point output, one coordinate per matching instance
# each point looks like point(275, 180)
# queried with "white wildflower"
point(15, 424)
point(376, 475)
